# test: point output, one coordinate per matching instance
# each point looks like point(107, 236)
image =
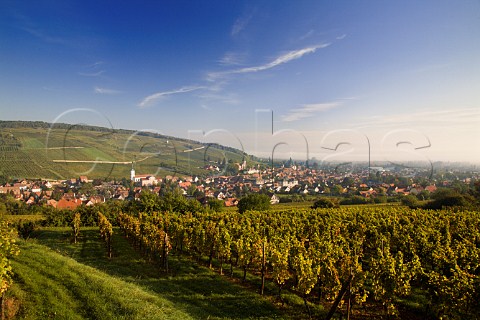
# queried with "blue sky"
point(404, 74)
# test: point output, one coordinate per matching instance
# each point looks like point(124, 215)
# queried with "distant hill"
point(35, 149)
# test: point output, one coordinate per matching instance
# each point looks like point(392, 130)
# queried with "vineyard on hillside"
point(346, 256)
point(38, 150)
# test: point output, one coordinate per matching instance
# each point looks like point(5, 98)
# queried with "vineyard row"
point(382, 253)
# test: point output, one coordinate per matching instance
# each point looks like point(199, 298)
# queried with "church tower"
point(132, 173)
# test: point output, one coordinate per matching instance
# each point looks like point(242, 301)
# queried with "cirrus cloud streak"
point(100, 90)
point(307, 110)
point(149, 100)
point(284, 58)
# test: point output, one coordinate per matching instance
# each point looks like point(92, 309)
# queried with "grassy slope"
point(54, 285)
point(55, 278)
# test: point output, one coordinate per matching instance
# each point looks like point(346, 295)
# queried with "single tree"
point(254, 201)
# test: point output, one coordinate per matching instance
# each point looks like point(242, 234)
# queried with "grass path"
point(60, 287)
point(57, 279)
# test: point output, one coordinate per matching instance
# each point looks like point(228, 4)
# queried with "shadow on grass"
point(192, 288)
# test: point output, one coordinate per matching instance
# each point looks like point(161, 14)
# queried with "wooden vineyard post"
point(263, 268)
point(339, 297)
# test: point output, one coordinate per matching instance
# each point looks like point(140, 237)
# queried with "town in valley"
point(355, 183)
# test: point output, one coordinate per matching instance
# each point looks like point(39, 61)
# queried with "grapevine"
point(76, 226)
point(8, 248)
point(106, 232)
point(360, 254)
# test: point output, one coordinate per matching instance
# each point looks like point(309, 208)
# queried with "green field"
point(55, 278)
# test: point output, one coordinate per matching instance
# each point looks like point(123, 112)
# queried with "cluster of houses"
point(45, 192)
point(68, 194)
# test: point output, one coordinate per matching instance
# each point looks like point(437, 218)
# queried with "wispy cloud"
point(43, 36)
point(341, 37)
point(93, 69)
point(149, 100)
point(241, 23)
point(105, 91)
point(307, 35)
point(26, 24)
point(308, 110)
point(462, 117)
point(284, 58)
point(92, 74)
point(232, 58)
point(227, 98)
point(96, 64)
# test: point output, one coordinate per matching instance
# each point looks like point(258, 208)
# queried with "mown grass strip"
point(58, 286)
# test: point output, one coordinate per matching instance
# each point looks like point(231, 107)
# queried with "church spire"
point(132, 171)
